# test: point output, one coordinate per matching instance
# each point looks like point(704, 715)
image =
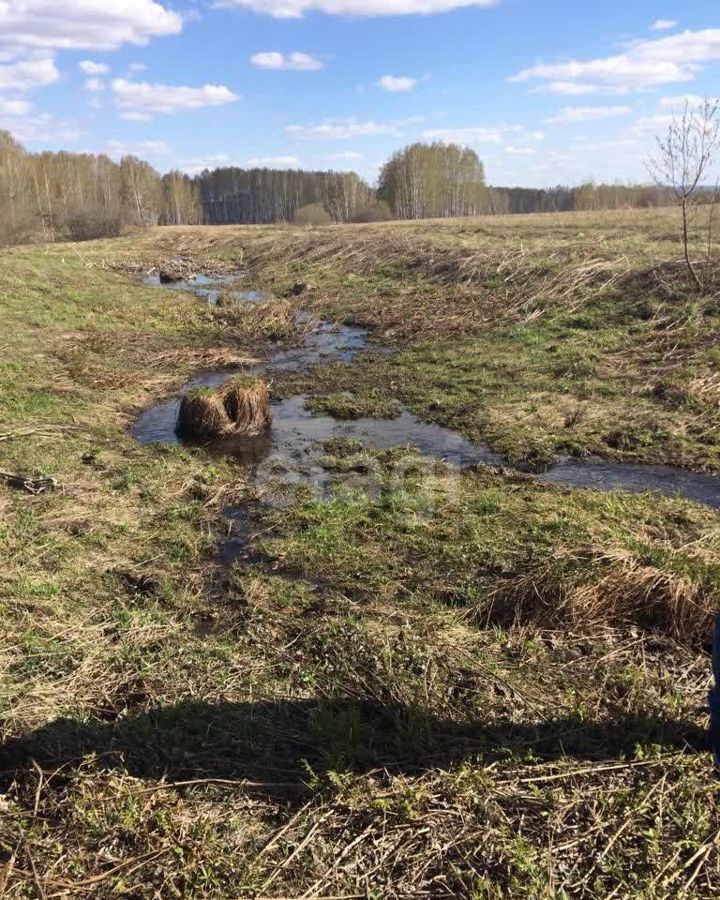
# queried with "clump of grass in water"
point(242, 404)
point(247, 403)
point(202, 414)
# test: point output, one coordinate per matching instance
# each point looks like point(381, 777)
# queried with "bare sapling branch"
point(683, 160)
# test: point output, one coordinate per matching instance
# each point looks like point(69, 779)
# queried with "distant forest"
point(77, 196)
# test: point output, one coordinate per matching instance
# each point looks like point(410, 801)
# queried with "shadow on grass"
point(280, 743)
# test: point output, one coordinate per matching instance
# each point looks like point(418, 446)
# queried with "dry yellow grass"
point(241, 405)
point(202, 414)
point(603, 587)
point(330, 721)
point(247, 403)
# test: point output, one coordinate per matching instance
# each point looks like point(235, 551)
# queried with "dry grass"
point(595, 588)
point(432, 277)
point(706, 389)
point(203, 415)
point(269, 321)
point(241, 405)
point(247, 403)
point(440, 835)
point(336, 720)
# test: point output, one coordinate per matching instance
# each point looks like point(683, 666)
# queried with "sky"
point(546, 91)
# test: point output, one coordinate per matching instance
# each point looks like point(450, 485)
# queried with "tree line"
point(262, 196)
point(75, 196)
point(56, 196)
point(441, 180)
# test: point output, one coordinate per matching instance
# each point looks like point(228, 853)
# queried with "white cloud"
point(28, 25)
point(685, 47)
point(346, 155)
point(213, 161)
point(569, 88)
point(618, 73)
point(341, 130)
point(613, 144)
point(95, 85)
point(649, 125)
point(569, 115)
point(644, 64)
point(40, 128)
point(397, 84)
point(680, 101)
point(131, 116)
point(663, 24)
point(118, 149)
point(27, 74)
point(93, 68)
point(140, 100)
point(274, 162)
point(137, 67)
point(298, 62)
point(472, 134)
point(520, 151)
point(294, 9)
point(10, 108)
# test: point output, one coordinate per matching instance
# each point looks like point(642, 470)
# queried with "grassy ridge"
point(582, 341)
point(463, 685)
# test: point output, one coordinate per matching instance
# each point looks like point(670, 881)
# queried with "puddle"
point(328, 343)
point(208, 287)
point(241, 533)
point(636, 478)
point(296, 434)
point(291, 452)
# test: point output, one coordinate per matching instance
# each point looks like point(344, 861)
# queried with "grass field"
point(464, 684)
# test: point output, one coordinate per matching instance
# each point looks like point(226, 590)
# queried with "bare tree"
point(683, 160)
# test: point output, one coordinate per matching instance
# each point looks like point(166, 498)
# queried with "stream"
point(291, 451)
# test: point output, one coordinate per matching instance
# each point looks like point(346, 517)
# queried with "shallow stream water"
point(291, 452)
point(208, 287)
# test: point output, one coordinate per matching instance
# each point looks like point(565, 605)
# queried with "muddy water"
point(291, 452)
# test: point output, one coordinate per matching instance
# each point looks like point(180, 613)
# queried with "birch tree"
point(683, 160)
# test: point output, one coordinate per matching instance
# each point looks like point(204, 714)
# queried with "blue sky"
point(546, 91)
